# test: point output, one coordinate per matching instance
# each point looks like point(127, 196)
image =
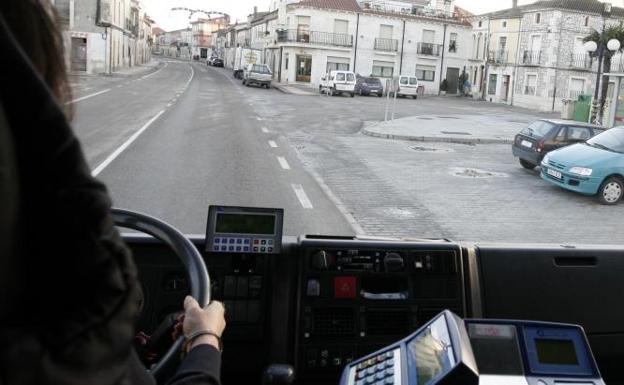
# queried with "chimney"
point(514, 4)
point(255, 10)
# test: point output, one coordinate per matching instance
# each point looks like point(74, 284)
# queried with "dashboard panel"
point(324, 301)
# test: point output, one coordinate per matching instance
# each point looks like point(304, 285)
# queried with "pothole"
point(429, 149)
point(475, 173)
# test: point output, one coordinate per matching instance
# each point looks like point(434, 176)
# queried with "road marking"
point(154, 73)
point(272, 144)
point(259, 119)
point(169, 105)
point(302, 196)
point(127, 143)
point(265, 130)
point(282, 161)
point(88, 96)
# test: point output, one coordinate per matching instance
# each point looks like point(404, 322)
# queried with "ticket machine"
point(452, 351)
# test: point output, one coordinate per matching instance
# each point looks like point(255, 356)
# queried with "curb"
point(433, 139)
point(286, 91)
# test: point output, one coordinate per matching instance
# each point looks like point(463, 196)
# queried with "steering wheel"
point(188, 254)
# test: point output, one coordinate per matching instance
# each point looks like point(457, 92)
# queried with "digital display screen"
point(245, 224)
point(556, 352)
point(431, 353)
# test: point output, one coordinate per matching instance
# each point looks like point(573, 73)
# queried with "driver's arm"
point(202, 364)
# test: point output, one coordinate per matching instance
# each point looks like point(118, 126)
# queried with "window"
point(286, 62)
point(428, 36)
point(530, 85)
point(578, 133)
point(577, 87)
point(383, 69)
point(425, 73)
point(504, 24)
point(538, 18)
point(340, 77)
point(502, 43)
point(413, 81)
point(587, 21)
point(492, 84)
point(453, 42)
point(338, 63)
point(303, 29)
point(341, 26)
point(350, 77)
point(385, 31)
point(480, 24)
point(403, 81)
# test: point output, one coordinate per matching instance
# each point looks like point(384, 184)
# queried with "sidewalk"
point(84, 83)
point(466, 129)
point(295, 89)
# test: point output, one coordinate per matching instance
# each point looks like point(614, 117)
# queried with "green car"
point(594, 167)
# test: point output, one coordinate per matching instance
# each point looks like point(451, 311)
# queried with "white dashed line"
point(272, 144)
point(282, 161)
point(265, 130)
point(302, 196)
point(259, 119)
point(88, 96)
point(127, 143)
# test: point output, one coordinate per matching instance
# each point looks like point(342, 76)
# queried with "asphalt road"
point(206, 144)
point(186, 136)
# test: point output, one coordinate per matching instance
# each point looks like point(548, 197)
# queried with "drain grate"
point(455, 132)
point(429, 149)
point(448, 117)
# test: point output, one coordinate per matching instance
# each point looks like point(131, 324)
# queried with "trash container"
point(567, 109)
point(582, 108)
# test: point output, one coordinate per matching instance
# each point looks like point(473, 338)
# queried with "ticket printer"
point(451, 351)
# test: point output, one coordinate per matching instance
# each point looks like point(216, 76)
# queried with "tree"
point(613, 32)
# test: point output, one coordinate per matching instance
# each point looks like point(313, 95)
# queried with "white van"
point(338, 82)
point(407, 86)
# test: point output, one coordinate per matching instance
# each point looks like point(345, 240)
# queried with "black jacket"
point(67, 304)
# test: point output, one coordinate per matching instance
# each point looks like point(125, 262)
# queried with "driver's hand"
point(196, 319)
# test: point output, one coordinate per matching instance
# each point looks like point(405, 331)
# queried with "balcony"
point(580, 61)
point(429, 49)
point(391, 45)
point(498, 57)
point(531, 58)
point(314, 37)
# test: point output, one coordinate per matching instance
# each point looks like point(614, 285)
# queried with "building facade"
point(104, 36)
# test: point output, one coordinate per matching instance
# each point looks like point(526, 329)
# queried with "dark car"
point(367, 86)
point(217, 62)
point(545, 135)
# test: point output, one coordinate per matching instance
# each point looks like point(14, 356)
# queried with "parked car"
point(406, 86)
point(210, 60)
point(595, 167)
point(259, 74)
point(545, 135)
point(217, 62)
point(338, 82)
point(368, 86)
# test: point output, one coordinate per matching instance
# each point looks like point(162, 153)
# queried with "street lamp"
point(591, 46)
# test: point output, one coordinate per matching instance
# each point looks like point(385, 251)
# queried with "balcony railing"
point(617, 65)
point(580, 61)
point(498, 57)
point(429, 49)
point(314, 37)
point(574, 94)
point(531, 58)
point(386, 44)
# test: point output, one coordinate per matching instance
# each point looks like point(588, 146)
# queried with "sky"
point(160, 10)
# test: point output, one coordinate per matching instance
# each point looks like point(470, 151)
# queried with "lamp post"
point(591, 47)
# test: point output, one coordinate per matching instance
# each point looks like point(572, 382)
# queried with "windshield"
point(171, 133)
point(538, 129)
point(612, 140)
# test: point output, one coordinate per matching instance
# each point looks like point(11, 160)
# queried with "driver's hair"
point(34, 26)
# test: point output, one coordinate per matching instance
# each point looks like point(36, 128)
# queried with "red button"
point(344, 287)
point(256, 241)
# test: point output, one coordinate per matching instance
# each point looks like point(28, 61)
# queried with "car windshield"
point(611, 140)
point(170, 132)
point(261, 69)
point(538, 129)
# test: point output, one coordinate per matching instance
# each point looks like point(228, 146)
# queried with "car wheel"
point(352, 94)
point(611, 191)
point(321, 90)
point(333, 92)
point(244, 82)
point(380, 94)
point(527, 165)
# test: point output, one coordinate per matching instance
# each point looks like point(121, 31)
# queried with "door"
point(555, 139)
point(452, 80)
point(78, 54)
point(304, 68)
point(303, 29)
point(578, 134)
point(505, 88)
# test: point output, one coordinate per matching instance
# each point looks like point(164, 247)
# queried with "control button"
point(256, 241)
point(270, 249)
point(370, 380)
point(359, 382)
point(263, 242)
point(390, 354)
point(361, 365)
point(216, 248)
point(232, 240)
point(361, 374)
point(390, 371)
point(380, 367)
point(270, 242)
point(239, 241)
point(238, 248)
point(370, 371)
point(217, 240)
point(246, 241)
point(223, 248)
point(323, 363)
point(255, 249)
point(231, 248)
point(379, 376)
point(324, 353)
point(380, 358)
point(336, 361)
point(390, 362)
point(389, 380)
point(344, 287)
point(263, 249)
point(314, 288)
point(246, 248)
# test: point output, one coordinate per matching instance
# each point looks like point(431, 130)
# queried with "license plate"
point(554, 173)
point(526, 143)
